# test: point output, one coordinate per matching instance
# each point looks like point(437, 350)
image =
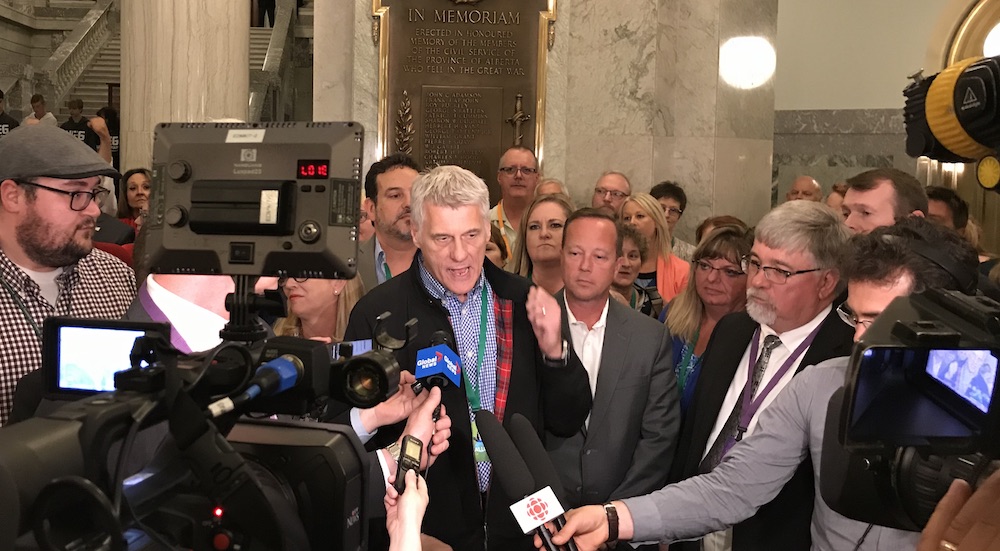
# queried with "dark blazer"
point(113, 230)
point(783, 523)
point(555, 399)
point(366, 264)
point(627, 448)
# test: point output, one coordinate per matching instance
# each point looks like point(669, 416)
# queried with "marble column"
point(182, 61)
point(649, 100)
point(333, 60)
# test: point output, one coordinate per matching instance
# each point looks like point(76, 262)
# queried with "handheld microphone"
point(537, 507)
point(272, 377)
point(438, 364)
point(539, 463)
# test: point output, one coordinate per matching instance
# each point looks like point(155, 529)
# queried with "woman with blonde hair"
point(318, 308)
point(717, 287)
point(662, 269)
point(539, 250)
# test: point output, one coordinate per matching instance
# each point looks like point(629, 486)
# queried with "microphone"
point(272, 377)
point(539, 463)
point(438, 364)
point(509, 468)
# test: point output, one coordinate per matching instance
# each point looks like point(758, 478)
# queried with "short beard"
point(391, 230)
point(37, 239)
point(764, 314)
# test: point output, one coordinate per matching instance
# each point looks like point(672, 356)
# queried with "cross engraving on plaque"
point(517, 119)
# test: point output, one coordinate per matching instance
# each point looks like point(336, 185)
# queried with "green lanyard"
point(472, 389)
point(385, 268)
point(684, 369)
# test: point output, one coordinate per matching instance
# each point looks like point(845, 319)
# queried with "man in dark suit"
point(792, 282)
point(387, 189)
point(626, 446)
point(508, 335)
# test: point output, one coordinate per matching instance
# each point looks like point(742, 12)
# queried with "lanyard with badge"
point(472, 389)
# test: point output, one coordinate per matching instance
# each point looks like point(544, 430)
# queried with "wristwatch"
point(562, 360)
point(612, 524)
point(393, 450)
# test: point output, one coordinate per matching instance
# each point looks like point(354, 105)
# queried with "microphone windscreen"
point(535, 456)
point(508, 466)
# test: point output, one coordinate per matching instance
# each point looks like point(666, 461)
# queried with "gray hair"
point(449, 186)
point(806, 226)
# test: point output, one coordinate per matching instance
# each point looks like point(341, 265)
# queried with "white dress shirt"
point(790, 340)
point(588, 343)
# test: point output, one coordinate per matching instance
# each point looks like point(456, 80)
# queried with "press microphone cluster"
point(540, 503)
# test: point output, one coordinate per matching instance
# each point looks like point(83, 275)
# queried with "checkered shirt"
point(97, 286)
point(465, 321)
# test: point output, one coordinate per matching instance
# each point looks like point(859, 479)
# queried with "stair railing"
point(62, 70)
point(269, 86)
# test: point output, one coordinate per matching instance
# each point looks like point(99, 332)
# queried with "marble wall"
point(832, 145)
point(632, 85)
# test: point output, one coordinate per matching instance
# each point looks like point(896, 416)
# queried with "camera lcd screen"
point(81, 356)
point(81, 369)
point(970, 374)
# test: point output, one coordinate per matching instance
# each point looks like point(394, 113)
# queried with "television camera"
point(919, 410)
point(275, 199)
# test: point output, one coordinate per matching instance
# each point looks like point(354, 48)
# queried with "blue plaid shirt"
point(465, 322)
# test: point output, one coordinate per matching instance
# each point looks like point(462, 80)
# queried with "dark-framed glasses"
point(850, 318)
point(512, 170)
point(284, 279)
point(773, 274)
point(78, 200)
point(707, 268)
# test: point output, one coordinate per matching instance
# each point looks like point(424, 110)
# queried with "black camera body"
point(918, 410)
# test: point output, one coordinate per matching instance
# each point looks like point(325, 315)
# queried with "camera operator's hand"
point(405, 513)
point(965, 520)
point(100, 127)
point(397, 408)
point(544, 314)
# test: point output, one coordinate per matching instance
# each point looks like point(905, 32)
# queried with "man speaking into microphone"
point(512, 354)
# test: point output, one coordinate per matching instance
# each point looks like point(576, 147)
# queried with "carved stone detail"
point(404, 125)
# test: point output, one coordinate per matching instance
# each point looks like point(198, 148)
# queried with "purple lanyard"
point(157, 315)
point(751, 407)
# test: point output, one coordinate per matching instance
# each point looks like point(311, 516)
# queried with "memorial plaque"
point(460, 81)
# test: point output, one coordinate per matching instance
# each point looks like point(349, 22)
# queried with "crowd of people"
point(680, 388)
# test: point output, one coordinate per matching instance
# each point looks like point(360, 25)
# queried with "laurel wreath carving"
point(404, 125)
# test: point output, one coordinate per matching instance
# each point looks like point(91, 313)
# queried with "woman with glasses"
point(539, 251)
point(717, 287)
point(634, 251)
point(318, 308)
point(662, 269)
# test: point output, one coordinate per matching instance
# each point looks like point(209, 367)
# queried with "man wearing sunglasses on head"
point(889, 262)
point(50, 197)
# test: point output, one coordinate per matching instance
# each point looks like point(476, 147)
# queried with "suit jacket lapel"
point(614, 358)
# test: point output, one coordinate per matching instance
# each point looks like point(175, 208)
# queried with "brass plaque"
point(460, 81)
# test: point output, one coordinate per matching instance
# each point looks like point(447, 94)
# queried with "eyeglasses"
point(512, 170)
point(775, 275)
point(284, 279)
point(78, 200)
point(707, 268)
point(671, 211)
point(849, 318)
point(601, 192)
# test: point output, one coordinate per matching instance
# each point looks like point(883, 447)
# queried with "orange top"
point(672, 275)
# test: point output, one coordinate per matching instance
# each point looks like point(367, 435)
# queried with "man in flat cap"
point(49, 203)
